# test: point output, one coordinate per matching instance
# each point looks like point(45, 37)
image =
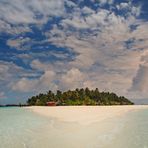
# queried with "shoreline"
point(84, 114)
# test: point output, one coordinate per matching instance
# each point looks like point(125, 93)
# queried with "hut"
point(51, 103)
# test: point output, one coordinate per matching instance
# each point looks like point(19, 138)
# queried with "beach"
point(85, 114)
point(74, 126)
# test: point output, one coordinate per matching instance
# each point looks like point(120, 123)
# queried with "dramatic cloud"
point(64, 44)
point(105, 41)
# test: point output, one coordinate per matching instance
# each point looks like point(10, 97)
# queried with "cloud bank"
point(64, 44)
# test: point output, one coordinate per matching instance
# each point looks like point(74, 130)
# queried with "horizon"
point(66, 44)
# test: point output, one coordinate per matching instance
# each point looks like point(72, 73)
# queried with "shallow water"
point(21, 128)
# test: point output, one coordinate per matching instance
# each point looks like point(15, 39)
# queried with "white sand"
point(85, 114)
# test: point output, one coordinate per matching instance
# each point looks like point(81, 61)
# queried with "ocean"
point(22, 128)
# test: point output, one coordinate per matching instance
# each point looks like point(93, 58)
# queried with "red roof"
point(51, 103)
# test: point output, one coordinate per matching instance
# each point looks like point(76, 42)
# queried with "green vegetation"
point(79, 97)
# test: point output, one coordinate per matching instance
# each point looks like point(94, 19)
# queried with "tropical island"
point(77, 97)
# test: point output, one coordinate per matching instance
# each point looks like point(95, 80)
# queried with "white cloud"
point(103, 2)
point(31, 85)
point(10, 73)
point(130, 8)
point(124, 5)
point(87, 11)
point(57, 67)
point(18, 43)
point(24, 11)
point(16, 15)
point(140, 82)
point(90, 21)
point(72, 79)
point(36, 64)
point(70, 4)
point(103, 57)
point(99, 38)
point(136, 10)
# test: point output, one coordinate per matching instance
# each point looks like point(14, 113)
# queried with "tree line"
point(79, 97)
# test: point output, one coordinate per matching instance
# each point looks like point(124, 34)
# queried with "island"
point(77, 97)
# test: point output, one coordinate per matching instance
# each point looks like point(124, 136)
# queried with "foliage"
point(79, 97)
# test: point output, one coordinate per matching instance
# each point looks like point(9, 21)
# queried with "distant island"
point(78, 97)
point(14, 105)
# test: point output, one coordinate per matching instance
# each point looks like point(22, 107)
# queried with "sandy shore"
point(85, 114)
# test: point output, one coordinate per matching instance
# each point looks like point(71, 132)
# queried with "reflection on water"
point(20, 128)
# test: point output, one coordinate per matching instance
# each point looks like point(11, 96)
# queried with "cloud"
point(100, 41)
point(123, 6)
point(18, 43)
point(16, 16)
point(93, 20)
point(44, 82)
point(6, 27)
point(129, 8)
point(26, 12)
point(36, 64)
point(10, 73)
point(72, 79)
point(140, 82)
point(105, 47)
point(103, 2)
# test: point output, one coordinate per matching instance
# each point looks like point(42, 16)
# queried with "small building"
point(51, 103)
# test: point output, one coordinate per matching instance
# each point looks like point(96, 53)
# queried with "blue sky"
point(65, 44)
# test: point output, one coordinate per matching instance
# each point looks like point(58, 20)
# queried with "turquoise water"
point(21, 128)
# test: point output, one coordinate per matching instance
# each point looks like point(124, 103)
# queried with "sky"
point(67, 44)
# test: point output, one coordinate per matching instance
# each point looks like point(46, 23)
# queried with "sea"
point(22, 128)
